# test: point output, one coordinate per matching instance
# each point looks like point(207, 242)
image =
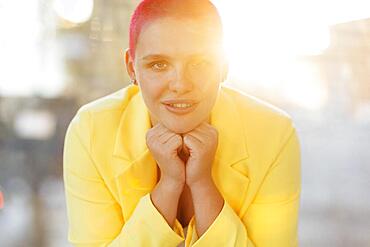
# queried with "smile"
point(181, 105)
point(180, 109)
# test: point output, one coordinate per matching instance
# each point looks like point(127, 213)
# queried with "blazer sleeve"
point(94, 216)
point(272, 218)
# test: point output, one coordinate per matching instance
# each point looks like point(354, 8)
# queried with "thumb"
point(185, 148)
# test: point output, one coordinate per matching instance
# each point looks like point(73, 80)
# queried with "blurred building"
point(346, 67)
point(94, 51)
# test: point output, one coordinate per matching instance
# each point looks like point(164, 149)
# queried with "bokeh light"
point(75, 11)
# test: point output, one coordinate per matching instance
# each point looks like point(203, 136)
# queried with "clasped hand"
point(184, 158)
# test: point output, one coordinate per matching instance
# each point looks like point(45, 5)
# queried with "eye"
point(198, 64)
point(159, 66)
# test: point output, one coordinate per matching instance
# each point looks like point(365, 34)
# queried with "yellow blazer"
point(109, 174)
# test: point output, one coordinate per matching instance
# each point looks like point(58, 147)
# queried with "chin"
point(180, 127)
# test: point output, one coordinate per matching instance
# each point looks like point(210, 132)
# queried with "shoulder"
point(262, 110)
point(112, 104)
point(262, 122)
point(104, 112)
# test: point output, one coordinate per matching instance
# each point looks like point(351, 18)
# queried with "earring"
point(133, 81)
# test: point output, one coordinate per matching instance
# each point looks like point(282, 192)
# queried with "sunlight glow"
point(303, 87)
point(264, 39)
point(29, 65)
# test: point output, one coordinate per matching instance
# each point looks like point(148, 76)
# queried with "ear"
point(130, 66)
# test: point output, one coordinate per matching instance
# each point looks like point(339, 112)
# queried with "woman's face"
point(179, 68)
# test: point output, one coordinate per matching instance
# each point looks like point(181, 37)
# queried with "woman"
point(176, 158)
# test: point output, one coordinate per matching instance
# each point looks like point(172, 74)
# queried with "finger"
point(174, 141)
point(161, 130)
point(165, 137)
point(205, 127)
point(191, 140)
point(157, 131)
point(208, 130)
point(198, 135)
point(200, 131)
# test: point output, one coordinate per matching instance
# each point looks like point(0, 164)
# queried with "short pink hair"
point(149, 10)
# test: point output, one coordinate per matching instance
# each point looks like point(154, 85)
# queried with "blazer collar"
point(130, 141)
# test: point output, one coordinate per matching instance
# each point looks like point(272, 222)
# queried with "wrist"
point(171, 186)
point(202, 184)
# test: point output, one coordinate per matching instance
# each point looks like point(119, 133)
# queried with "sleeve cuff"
point(158, 224)
point(226, 228)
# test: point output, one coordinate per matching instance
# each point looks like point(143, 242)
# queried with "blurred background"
point(310, 58)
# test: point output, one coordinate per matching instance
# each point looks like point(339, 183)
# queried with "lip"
point(179, 101)
point(181, 111)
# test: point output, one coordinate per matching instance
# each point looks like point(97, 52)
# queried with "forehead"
point(178, 38)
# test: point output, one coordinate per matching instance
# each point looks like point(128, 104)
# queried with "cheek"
point(208, 82)
point(152, 86)
point(152, 91)
point(210, 87)
point(209, 98)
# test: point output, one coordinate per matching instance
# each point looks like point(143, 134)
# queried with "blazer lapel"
point(134, 167)
point(230, 169)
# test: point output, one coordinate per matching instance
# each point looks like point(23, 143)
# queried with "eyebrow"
point(155, 56)
point(163, 56)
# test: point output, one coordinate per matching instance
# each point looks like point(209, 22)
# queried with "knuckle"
point(148, 135)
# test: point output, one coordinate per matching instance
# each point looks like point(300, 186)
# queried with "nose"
point(181, 82)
